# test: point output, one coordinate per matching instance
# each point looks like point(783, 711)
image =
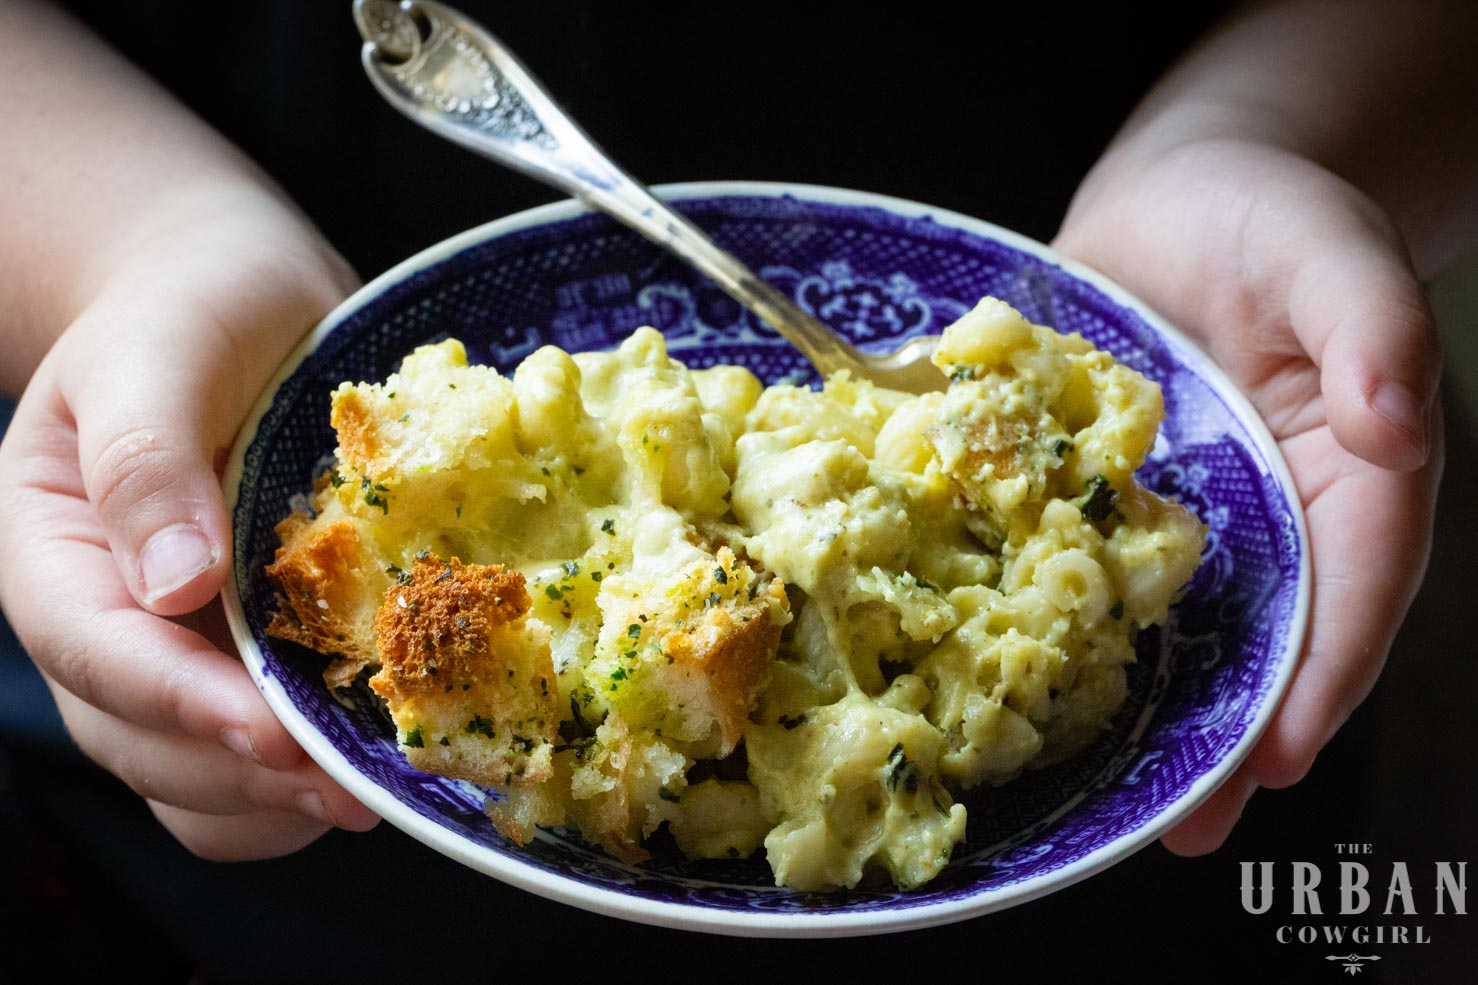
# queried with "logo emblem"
point(1353, 963)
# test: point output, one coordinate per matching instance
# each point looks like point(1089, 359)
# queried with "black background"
point(997, 114)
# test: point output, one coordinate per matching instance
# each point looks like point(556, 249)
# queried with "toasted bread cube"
point(330, 582)
point(617, 787)
point(686, 660)
point(624, 786)
point(719, 819)
point(436, 413)
point(1032, 414)
point(467, 678)
point(517, 810)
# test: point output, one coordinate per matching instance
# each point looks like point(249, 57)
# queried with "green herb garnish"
point(901, 772)
point(1099, 499)
point(374, 494)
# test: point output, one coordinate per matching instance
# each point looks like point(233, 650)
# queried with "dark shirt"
point(997, 113)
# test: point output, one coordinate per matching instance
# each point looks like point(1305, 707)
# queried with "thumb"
point(149, 430)
point(1357, 305)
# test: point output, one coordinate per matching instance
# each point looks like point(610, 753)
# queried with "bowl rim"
point(749, 923)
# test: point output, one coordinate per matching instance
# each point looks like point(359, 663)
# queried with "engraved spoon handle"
point(451, 76)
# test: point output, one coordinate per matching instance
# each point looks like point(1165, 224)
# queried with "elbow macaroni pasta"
point(803, 621)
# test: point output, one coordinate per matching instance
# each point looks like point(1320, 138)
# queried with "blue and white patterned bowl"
point(879, 270)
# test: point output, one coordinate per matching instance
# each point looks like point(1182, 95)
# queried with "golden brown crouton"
point(518, 811)
point(992, 446)
point(624, 786)
point(721, 660)
point(468, 679)
point(358, 428)
point(331, 583)
point(687, 660)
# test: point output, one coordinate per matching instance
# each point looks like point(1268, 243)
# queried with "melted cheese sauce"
point(963, 571)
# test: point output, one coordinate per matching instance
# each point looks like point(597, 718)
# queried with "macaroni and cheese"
point(621, 594)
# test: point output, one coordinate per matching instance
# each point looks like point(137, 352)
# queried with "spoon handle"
point(451, 76)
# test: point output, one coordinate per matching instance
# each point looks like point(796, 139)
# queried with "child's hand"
point(114, 521)
point(1302, 290)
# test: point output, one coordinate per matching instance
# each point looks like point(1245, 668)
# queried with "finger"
point(144, 669)
point(1244, 258)
point(239, 838)
point(202, 777)
point(147, 437)
point(1370, 534)
point(1358, 307)
point(1208, 826)
point(1357, 608)
point(194, 776)
point(157, 374)
point(80, 624)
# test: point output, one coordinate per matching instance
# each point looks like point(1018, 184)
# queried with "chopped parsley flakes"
point(1099, 499)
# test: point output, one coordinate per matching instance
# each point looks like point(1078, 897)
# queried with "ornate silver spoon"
point(451, 76)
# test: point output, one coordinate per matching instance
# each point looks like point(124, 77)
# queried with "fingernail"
point(174, 557)
point(238, 740)
point(310, 802)
point(1397, 404)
